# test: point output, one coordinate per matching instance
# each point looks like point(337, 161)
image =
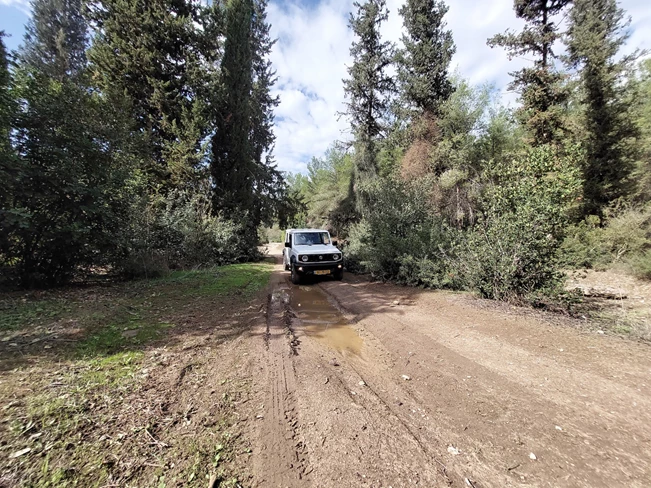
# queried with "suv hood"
point(316, 249)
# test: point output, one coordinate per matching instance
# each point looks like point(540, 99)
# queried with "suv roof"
point(291, 231)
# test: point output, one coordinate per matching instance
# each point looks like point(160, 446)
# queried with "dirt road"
point(361, 384)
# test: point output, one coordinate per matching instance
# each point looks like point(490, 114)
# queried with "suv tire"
point(339, 275)
point(296, 279)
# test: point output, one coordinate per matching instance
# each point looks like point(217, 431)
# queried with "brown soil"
point(350, 384)
point(626, 311)
point(375, 385)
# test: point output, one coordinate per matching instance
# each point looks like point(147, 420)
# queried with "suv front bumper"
point(318, 268)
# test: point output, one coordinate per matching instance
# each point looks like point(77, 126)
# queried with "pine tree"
point(424, 61)
point(368, 87)
point(232, 165)
point(596, 33)
point(8, 166)
point(56, 38)
point(541, 88)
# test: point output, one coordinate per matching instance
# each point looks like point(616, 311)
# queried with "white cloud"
point(312, 53)
point(23, 5)
point(310, 59)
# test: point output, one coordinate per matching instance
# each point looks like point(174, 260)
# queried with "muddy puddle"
point(322, 321)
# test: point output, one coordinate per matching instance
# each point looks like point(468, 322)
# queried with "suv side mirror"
point(334, 243)
point(288, 244)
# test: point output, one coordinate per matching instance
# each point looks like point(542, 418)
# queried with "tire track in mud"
point(410, 429)
point(283, 456)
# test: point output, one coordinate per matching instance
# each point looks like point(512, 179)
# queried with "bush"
point(512, 251)
point(640, 265)
point(625, 236)
point(179, 232)
point(398, 238)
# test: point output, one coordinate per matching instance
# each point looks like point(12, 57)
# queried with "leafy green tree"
point(424, 61)
point(597, 31)
point(369, 85)
point(513, 250)
point(67, 195)
point(56, 38)
point(542, 91)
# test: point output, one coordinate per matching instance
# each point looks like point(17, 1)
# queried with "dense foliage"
point(107, 119)
point(144, 145)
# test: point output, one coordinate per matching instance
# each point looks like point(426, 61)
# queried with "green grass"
point(82, 379)
point(131, 315)
point(242, 279)
point(18, 313)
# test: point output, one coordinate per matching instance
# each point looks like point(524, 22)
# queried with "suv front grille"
point(319, 258)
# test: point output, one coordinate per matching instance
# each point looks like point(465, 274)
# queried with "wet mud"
point(320, 320)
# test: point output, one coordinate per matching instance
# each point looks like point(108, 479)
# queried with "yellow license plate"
point(322, 272)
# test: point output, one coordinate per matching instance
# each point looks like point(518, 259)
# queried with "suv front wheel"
point(295, 277)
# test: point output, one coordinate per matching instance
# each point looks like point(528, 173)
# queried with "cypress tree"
point(368, 87)
point(232, 165)
point(424, 61)
point(596, 33)
point(541, 89)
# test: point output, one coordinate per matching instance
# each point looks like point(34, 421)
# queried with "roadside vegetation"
point(94, 381)
point(447, 188)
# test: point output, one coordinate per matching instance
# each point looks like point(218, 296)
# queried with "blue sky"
point(312, 53)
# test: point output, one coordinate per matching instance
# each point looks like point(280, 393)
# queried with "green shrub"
point(398, 238)
point(625, 235)
point(640, 265)
point(179, 232)
point(512, 251)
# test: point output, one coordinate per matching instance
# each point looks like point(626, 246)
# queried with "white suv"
point(311, 252)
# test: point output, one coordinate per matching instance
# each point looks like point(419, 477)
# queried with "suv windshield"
point(309, 238)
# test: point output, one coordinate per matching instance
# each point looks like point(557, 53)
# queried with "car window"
point(310, 238)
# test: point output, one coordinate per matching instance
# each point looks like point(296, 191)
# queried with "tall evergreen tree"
point(7, 157)
point(640, 89)
point(542, 92)
point(424, 61)
point(6, 103)
point(264, 77)
point(56, 38)
point(596, 33)
point(368, 87)
point(158, 59)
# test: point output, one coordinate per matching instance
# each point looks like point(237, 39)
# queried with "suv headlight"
point(304, 259)
point(336, 257)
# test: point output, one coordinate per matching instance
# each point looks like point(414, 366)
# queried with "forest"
point(132, 148)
